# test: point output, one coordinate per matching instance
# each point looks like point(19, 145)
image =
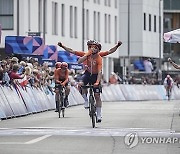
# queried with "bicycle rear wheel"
point(92, 111)
point(59, 110)
point(169, 94)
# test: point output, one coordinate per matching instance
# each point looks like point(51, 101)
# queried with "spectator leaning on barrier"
point(113, 79)
point(148, 65)
point(14, 73)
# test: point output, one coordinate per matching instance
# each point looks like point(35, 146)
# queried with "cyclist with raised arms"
point(93, 73)
point(82, 53)
point(61, 78)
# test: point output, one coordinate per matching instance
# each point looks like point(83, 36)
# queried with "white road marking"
point(48, 131)
point(37, 139)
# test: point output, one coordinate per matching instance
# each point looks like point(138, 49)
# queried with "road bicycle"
point(61, 100)
point(92, 107)
point(168, 92)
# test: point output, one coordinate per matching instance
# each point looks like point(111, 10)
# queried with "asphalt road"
point(127, 127)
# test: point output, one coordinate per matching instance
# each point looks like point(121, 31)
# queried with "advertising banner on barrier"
point(39, 99)
point(28, 101)
point(33, 99)
point(2, 114)
point(5, 106)
point(15, 102)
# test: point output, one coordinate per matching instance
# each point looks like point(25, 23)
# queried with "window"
point(109, 28)
point(115, 29)
point(144, 21)
point(98, 21)
point(109, 2)
point(105, 28)
point(115, 3)
point(149, 22)
point(95, 25)
point(54, 18)
point(105, 2)
point(87, 24)
point(45, 18)
point(6, 14)
point(71, 21)
point(40, 16)
point(62, 20)
point(75, 22)
point(154, 23)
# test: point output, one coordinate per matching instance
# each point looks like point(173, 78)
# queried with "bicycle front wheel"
point(92, 111)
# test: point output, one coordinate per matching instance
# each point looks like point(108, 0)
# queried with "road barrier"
point(17, 101)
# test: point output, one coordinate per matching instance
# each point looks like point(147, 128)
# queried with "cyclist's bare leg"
point(98, 106)
point(56, 99)
point(67, 91)
point(84, 95)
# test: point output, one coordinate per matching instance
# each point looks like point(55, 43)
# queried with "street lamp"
point(128, 47)
point(160, 34)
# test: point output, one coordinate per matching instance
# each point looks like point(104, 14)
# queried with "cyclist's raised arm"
point(113, 49)
point(174, 64)
point(66, 48)
point(82, 59)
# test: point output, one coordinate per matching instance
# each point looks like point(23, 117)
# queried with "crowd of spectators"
point(25, 72)
point(30, 72)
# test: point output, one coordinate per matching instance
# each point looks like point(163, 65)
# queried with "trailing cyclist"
point(61, 79)
point(168, 84)
point(93, 73)
point(57, 66)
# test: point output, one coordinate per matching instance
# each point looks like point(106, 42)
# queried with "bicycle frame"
point(92, 108)
point(61, 100)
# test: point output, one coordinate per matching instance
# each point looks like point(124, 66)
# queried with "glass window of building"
point(54, 18)
point(6, 14)
point(62, 20)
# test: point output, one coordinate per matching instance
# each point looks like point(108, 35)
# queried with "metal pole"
point(44, 20)
point(128, 47)
point(82, 25)
point(160, 35)
point(29, 20)
point(17, 17)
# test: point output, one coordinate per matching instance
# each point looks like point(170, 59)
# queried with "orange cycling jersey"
point(61, 76)
point(94, 65)
point(82, 53)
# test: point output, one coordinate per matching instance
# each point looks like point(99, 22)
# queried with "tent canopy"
point(172, 36)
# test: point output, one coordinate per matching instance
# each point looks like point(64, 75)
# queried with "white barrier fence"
point(16, 102)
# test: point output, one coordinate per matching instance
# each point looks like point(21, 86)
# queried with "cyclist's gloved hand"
point(60, 44)
point(96, 84)
point(119, 43)
point(88, 53)
point(63, 84)
point(169, 59)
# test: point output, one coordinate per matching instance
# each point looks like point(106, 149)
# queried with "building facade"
point(73, 22)
point(171, 22)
